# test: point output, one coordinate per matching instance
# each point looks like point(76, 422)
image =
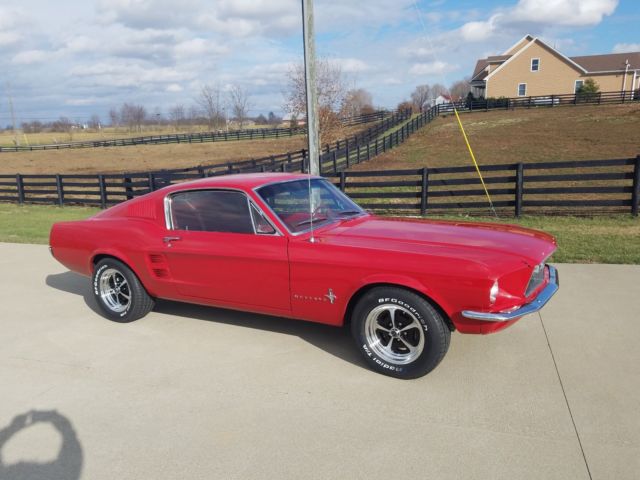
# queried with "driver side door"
point(220, 249)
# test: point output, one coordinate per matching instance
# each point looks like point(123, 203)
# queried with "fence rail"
point(541, 101)
point(202, 137)
point(540, 187)
point(548, 187)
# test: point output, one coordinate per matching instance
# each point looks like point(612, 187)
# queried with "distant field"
point(144, 157)
point(107, 133)
point(152, 157)
point(568, 133)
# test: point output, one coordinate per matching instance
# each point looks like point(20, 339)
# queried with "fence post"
point(424, 193)
point(358, 155)
point(304, 161)
point(59, 190)
point(346, 153)
point(635, 194)
point(335, 161)
point(127, 187)
point(519, 188)
point(201, 172)
point(103, 192)
point(150, 181)
point(20, 186)
point(342, 181)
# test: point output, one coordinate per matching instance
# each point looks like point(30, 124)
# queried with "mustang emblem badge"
point(331, 296)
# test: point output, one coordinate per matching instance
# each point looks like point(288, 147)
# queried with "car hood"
point(468, 239)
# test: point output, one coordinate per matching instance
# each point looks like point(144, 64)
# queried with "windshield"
point(300, 209)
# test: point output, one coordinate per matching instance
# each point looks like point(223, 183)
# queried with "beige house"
point(532, 68)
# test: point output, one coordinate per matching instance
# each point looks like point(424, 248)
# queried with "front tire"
point(119, 293)
point(399, 333)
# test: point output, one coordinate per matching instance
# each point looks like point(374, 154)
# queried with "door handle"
point(171, 239)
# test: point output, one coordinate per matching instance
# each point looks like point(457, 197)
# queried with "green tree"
point(589, 86)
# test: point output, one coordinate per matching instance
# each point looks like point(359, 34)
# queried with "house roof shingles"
point(609, 62)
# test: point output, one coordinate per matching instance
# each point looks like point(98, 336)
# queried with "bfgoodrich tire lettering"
point(119, 293)
point(399, 333)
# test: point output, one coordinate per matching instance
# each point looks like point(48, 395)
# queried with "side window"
point(535, 64)
point(522, 89)
point(262, 225)
point(578, 86)
point(211, 211)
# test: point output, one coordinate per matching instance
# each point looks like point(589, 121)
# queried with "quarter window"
point(535, 64)
point(522, 89)
point(211, 211)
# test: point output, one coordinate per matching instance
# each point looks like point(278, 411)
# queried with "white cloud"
point(174, 88)
point(29, 57)
point(535, 15)
point(431, 68)
point(351, 65)
point(626, 47)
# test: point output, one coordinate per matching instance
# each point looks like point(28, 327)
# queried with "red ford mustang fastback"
point(295, 246)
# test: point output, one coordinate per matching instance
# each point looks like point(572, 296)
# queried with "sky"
point(77, 58)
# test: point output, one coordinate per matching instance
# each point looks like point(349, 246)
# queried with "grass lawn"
point(605, 239)
point(521, 135)
point(31, 223)
point(601, 239)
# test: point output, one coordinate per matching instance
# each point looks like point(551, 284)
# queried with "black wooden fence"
point(202, 137)
point(569, 187)
point(220, 136)
point(563, 187)
point(599, 98)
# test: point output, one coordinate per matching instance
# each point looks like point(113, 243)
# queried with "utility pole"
point(310, 86)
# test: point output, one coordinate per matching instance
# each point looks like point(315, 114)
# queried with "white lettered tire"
point(119, 293)
point(399, 333)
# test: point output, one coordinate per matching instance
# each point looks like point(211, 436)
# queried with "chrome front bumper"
point(540, 301)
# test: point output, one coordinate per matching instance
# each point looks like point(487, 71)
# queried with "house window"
point(522, 89)
point(578, 86)
point(535, 64)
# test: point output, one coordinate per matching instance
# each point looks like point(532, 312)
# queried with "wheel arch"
point(101, 255)
point(364, 289)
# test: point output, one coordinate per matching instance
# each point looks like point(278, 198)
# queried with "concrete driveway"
point(202, 393)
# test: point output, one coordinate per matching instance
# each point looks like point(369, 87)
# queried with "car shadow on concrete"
point(333, 340)
point(66, 466)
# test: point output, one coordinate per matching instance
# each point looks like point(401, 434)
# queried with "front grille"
point(537, 277)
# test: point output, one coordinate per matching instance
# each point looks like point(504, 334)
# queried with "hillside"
point(568, 133)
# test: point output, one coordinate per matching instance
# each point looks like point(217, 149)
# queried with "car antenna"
point(312, 239)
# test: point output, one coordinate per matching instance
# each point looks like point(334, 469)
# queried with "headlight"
point(493, 293)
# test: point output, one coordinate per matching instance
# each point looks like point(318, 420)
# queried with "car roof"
point(245, 181)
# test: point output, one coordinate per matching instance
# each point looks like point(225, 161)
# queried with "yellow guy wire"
point(455, 110)
point(473, 157)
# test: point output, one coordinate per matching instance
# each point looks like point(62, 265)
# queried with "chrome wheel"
point(394, 334)
point(114, 290)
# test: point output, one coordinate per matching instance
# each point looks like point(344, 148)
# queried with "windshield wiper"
point(311, 220)
point(349, 212)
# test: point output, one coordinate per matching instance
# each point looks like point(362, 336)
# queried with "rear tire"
point(399, 333)
point(119, 293)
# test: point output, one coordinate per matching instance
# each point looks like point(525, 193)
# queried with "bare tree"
point(210, 100)
point(420, 96)
point(356, 102)
point(460, 89)
point(177, 115)
point(114, 117)
point(240, 105)
point(438, 89)
point(94, 122)
point(133, 116)
point(331, 91)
